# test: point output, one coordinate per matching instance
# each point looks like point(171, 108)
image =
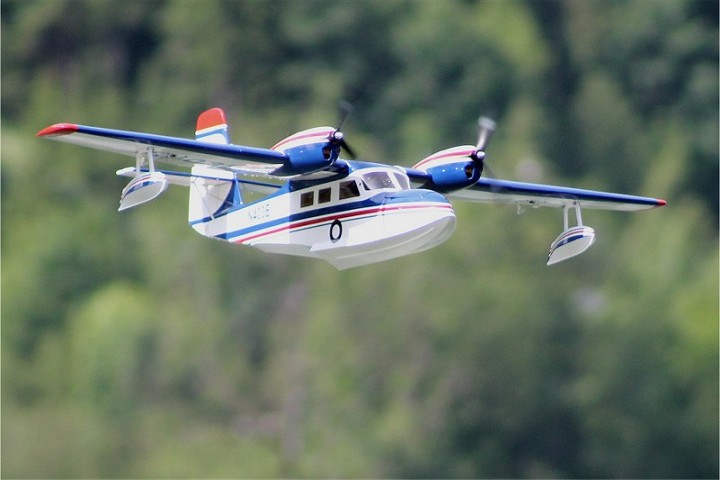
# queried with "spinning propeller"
point(486, 127)
point(337, 138)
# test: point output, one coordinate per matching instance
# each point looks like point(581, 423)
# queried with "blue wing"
point(262, 161)
point(178, 151)
point(489, 190)
point(503, 191)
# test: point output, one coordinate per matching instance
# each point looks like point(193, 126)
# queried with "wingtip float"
point(315, 204)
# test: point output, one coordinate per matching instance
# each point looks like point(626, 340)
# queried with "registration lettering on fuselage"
point(259, 212)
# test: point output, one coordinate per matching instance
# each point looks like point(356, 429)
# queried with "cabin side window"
point(324, 195)
point(307, 199)
point(349, 189)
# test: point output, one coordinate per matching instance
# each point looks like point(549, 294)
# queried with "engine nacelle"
point(309, 151)
point(453, 168)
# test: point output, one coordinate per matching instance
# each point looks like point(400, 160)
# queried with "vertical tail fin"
point(212, 127)
point(213, 192)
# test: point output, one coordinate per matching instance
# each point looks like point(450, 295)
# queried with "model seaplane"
point(315, 204)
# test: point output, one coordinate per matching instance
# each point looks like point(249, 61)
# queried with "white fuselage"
point(369, 216)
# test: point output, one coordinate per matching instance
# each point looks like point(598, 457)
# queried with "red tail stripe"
point(211, 118)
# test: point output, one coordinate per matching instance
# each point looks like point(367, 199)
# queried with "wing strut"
point(578, 215)
point(139, 161)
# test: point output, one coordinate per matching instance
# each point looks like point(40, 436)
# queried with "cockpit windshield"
point(402, 180)
point(378, 180)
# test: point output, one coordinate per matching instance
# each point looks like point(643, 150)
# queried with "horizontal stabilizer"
point(185, 179)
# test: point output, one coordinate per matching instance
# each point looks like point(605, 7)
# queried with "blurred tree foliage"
point(132, 347)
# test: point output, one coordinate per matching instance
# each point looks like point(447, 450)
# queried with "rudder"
point(212, 127)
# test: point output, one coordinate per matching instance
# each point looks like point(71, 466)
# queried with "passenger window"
point(377, 180)
point(307, 199)
point(324, 195)
point(349, 189)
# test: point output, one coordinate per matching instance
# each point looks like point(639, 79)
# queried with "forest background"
point(132, 347)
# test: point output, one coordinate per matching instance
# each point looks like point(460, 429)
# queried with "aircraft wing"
point(178, 151)
point(491, 190)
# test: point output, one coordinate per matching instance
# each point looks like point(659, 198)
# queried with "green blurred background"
point(133, 347)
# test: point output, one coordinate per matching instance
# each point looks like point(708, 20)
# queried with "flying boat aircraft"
point(315, 204)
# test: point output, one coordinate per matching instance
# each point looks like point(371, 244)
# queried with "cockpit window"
point(402, 180)
point(377, 180)
point(349, 189)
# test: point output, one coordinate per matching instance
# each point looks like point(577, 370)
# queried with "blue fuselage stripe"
point(296, 217)
point(377, 201)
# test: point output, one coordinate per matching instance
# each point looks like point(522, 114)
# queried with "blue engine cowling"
point(308, 151)
point(452, 169)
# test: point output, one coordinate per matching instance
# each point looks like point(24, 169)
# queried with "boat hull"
point(352, 242)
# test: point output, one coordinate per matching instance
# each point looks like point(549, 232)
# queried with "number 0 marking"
point(336, 230)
